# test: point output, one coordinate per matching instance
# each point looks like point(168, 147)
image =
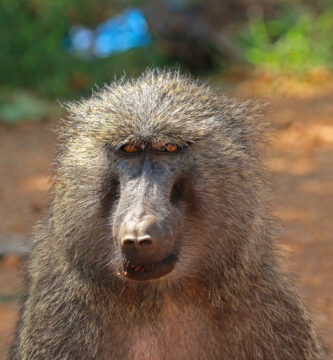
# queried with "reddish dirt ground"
point(302, 174)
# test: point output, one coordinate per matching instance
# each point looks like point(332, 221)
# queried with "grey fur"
point(225, 299)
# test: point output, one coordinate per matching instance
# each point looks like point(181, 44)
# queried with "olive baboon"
point(158, 244)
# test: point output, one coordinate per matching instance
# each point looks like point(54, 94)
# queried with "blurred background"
point(277, 51)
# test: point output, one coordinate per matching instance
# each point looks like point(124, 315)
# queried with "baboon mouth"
point(150, 271)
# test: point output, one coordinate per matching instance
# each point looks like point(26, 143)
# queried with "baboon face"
point(154, 190)
point(159, 181)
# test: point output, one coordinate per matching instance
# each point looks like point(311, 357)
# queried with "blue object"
point(122, 32)
point(117, 34)
point(82, 38)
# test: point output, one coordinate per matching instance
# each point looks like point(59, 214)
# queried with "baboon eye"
point(130, 148)
point(167, 147)
point(171, 147)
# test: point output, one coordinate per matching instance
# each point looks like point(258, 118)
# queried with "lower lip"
point(150, 271)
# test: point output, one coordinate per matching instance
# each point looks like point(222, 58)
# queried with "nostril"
point(145, 241)
point(128, 242)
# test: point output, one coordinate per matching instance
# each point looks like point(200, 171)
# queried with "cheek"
point(110, 195)
point(95, 255)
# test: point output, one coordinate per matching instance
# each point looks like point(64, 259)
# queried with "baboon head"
point(158, 180)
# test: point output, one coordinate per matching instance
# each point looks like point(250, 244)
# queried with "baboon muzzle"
point(147, 226)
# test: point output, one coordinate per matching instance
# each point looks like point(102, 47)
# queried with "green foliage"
point(20, 106)
point(31, 57)
point(294, 42)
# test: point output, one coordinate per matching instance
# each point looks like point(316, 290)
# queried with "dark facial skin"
point(146, 220)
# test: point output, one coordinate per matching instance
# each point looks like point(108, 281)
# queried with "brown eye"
point(171, 147)
point(130, 148)
point(166, 147)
